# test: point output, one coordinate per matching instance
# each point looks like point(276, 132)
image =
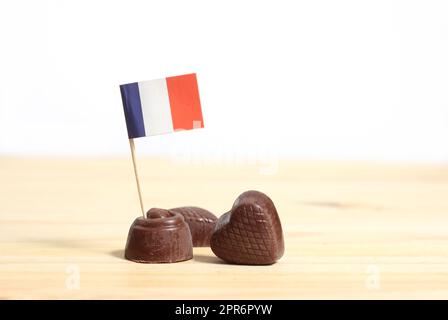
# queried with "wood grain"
point(352, 230)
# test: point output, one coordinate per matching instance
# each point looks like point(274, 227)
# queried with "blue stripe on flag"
point(132, 110)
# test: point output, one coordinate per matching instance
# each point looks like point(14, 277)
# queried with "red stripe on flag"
point(185, 105)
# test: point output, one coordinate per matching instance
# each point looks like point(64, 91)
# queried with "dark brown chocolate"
point(163, 236)
point(250, 233)
point(201, 223)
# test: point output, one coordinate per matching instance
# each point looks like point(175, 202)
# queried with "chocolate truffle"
point(163, 236)
point(201, 223)
point(250, 233)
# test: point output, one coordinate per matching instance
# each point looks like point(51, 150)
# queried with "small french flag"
point(162, 106)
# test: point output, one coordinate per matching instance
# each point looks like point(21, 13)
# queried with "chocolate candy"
point(163, 236)
point(250, 233)
point(201, 223)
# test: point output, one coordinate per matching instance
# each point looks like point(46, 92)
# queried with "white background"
point(313, 79)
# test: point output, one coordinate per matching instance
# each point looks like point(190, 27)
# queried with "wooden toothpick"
point(131, 143)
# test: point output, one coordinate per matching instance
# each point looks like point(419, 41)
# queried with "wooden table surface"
point(352, 230)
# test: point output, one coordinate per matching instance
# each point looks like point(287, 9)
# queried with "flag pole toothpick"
point(132, 145)
point(170, 104)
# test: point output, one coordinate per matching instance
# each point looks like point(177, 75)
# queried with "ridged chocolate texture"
point(201, 223)
point(250, 233)
point(163, 236)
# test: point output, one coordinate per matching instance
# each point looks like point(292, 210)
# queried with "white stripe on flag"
point(155, 107)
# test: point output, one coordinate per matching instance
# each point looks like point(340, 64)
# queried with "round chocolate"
point(201, 223)
point(162, 237)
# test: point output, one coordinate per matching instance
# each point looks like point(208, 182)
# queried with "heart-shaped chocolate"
point(201, 222)
point(250, 233)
